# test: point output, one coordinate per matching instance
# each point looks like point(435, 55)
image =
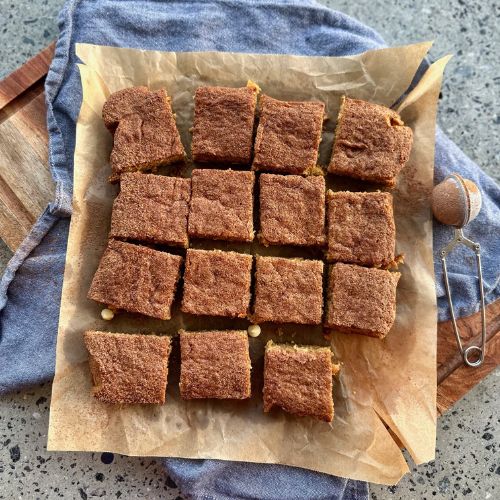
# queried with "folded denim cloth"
point(31, 285)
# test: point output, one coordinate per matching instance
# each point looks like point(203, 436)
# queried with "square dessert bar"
point(217, 283)
point(360, 228)
point(371, 142)
point(144, 132)
point(361, 300)
point(221, 205)
point(152, 208)
point(292, 210)
point(223, 124)
point(298, 379)
point(215, 364)
point(136, 279)
point(128, 368)
point(288, 291)
point(288, 136)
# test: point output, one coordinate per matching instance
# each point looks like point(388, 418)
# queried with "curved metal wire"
point(469, 352)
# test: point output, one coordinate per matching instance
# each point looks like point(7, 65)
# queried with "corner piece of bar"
point(145, 135)
point(371, 142)
point(128, 368)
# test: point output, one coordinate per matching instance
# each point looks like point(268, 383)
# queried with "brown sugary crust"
point(215, 364)
point(288, 291)
point(217, 283)
point(145, 133)
point(128, 368)
point(288, 136)
point(222, 205)
point(360, 228)
point(298, 379)
point(152, 208)
point(292, 210)
point(136, 279)
point(361, 300)
point(223, 124)
point(371, 142)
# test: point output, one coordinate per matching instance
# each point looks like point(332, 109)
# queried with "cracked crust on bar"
point(223, 124)
point(215, 364)
point(360, 228)
point(152, 208)
point(217, 283)
point(145, 135)
point(136, 279)
point(361, 300)
point(222, 205)
point(288, 136)
point(298, 379)
point(292, 210)
point(371, 142)
point(128, 368)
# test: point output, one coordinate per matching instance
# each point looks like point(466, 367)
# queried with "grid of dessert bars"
point(356, 230)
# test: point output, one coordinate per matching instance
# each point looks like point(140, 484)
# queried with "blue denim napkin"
point(31, 285)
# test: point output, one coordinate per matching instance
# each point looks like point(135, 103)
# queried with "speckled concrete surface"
point(26, 27)
point(467, 464)
point(28, 471)
point(467, 461)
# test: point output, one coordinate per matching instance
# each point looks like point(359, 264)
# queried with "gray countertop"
point(467, 463)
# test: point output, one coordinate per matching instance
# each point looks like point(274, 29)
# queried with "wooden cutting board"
point(25, 182)
point(26, 187)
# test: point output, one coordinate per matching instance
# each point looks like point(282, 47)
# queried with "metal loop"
point(467, 354)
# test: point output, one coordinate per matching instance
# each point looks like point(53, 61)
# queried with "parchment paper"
point(390, 382)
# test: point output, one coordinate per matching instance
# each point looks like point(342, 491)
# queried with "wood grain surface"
point(455, 379)
point(26, 187)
